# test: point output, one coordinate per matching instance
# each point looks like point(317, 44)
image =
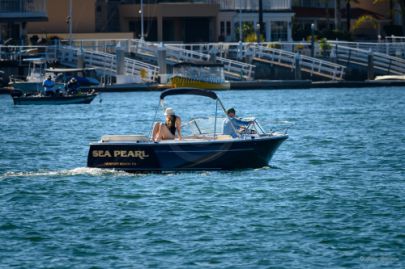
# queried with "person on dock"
point(233, 125)
point(167, 130)
point(49, 85)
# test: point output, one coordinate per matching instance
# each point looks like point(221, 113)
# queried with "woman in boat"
point(167, 130)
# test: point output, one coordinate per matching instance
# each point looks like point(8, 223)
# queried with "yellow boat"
point(202, 76)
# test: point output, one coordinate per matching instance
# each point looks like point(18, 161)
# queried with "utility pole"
point(141, 11)
point(348, 15)
point(240, 20)
point(337, 15)
point(70, 22)
point(261, 18)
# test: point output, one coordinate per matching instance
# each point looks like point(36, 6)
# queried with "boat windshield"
point(208, 126)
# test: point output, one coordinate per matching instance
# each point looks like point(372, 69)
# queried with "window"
point(279, 30)
point(228, 28)
point(222, 30)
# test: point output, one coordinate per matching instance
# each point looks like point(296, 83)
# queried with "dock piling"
point(370, 66)
point(161, 59)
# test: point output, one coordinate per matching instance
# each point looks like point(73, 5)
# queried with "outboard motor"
point(16, 93)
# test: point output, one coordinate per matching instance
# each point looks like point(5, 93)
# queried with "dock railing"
point(396, 49)
point(107, 63)
point(308, 64)
point(381, 61)
point(232, 69)
point(282, 54)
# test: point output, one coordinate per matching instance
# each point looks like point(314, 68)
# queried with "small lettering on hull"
point(140, 154)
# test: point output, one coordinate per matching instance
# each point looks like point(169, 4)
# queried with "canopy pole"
point(215, 122)
point(154, 118)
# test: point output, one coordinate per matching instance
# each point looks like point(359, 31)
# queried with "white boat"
point(199, 75)
point(203, 146)
point(35, 77)
point(38, 72)
point(390, 77)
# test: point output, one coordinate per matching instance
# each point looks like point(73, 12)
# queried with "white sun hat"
point(169, 111)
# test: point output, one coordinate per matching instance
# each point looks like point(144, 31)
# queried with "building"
point(321, 13)
point(83, 18)
point(163, 20)
point(186, 22)
point(277, 19)
point(14, 16)
point(206, 21)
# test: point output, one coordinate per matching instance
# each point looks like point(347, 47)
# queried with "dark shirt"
point(172, 127)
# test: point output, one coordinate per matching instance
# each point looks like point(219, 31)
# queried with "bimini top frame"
point(188, 91)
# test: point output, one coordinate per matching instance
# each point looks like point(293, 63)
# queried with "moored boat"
point(203, 149)
point(36, 75)
point(199, 75)
point(19, 98)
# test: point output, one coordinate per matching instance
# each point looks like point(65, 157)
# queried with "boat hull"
point(54, 100)
point(183, 156)
point(180, 82)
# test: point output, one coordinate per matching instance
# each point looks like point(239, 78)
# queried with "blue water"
point(333, 196)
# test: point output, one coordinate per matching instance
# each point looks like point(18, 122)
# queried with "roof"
point(35, 60)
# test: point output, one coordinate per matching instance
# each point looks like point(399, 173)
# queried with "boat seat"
point(119, 138)
point(223, 137)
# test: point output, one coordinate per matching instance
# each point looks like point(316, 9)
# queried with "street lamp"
point(312, 39)
point(141, 12)
point(258, 32)
point(240, 20)
point(69, 20)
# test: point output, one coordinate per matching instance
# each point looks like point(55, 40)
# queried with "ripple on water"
point(332, 197)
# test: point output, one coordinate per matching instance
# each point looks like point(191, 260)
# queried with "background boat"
point(84, 98)
point(199, 75)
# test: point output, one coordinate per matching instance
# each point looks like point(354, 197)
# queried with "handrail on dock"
point(108, 62)
point(232, 68)
point(381, 61)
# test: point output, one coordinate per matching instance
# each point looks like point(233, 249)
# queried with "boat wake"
point(63, 173)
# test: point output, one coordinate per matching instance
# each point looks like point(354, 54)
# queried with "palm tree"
point(401, 10)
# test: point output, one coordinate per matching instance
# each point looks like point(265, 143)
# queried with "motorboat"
point(20, 98)
point(38, 72)
point(204, 147)
point(199, 75)
point(86, 76)
point(36, 75)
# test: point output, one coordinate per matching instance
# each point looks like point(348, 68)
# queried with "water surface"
point(333, 196)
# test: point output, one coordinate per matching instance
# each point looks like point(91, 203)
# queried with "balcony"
point(23, 10)
point(252, 5)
